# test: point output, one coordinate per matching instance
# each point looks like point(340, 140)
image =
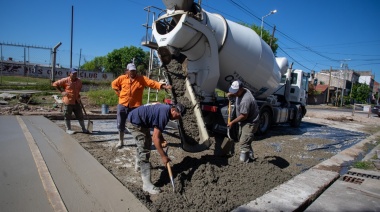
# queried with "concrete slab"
point(83, 183)
point(21, 188)
point(359, 190)
point(293, 195)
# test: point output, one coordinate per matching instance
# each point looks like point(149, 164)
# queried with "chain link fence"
point(36, 62)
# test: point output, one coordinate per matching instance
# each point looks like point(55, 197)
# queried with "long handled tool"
point(229, 119)
point(165, 145)
point(171, 175)
point(89, 123)
point(227, 142)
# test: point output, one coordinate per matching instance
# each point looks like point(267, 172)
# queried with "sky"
point(312, 34)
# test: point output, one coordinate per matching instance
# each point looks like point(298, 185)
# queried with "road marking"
point(46, 179)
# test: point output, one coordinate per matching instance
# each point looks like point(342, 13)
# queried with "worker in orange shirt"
point(70, 88)
point(129, 88)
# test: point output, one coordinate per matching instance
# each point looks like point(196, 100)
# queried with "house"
point(320, 96)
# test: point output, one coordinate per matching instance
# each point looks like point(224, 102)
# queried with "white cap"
point(131, 66)
point(235, 86)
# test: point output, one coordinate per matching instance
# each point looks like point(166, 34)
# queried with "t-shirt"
point(246, 104)
point(149, 116)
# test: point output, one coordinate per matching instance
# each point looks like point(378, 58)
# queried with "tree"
point(360, 92)
point(118, 59)
point(97, 64)
point(267, 37)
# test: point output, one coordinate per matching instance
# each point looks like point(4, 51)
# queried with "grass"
point(100, 93)
point(25, 83)
point(105, 95)
point(366, 165)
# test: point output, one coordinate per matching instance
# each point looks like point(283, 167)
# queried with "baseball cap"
point(131, 67)
point(180, 108)
point(73, 70)
point(235, 86)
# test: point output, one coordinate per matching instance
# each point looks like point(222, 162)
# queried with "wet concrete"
point(340, 139)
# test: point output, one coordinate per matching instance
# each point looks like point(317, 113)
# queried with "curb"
point(299, 192)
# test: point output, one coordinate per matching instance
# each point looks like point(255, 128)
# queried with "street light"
point(262, 21)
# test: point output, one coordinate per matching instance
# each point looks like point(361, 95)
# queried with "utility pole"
point(71, 49)
point(344, 67)
point(343, 86)
point(1, 58)
point(80, 57)
point(328, 88)
point(272, 37)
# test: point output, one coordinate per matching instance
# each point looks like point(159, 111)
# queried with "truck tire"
point(296, 122)
point(265, 121)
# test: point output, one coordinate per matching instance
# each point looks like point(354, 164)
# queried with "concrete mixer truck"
point(217, 52)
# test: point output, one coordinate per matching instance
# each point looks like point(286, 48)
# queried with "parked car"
point(376, 110)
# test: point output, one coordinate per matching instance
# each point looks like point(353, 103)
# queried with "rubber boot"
point(244, 157)
point(251, 155)
point(121, 140)
point(137, 166)
point(147, 184)
point(68, 127)
point(81, 122)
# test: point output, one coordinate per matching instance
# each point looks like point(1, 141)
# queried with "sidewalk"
point(321, 188)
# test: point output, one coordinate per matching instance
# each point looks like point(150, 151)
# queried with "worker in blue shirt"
point(139, 123)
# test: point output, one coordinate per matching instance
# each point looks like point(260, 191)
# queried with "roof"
point(321, 88)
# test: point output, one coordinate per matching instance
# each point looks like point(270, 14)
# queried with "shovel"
point(227, 142)
point(89, 123)
point(171, 175)
point(165, 145)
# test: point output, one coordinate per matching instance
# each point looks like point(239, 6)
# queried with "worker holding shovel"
point(247, 113)
point(139, 122)
point(70, 88)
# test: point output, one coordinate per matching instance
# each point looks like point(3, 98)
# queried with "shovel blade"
point(171, 175)
point(90, 126)
point(172, 180)
point(226, 146)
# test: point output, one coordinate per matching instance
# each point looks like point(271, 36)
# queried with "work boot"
point(244, 157)
point(137, 166)
point(68, 127)
point(147, 184)
point(81, 122)
point(251, 155)
point(121, 140)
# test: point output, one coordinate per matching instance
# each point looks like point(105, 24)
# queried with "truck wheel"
point(265, 121)
point(296, 122)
